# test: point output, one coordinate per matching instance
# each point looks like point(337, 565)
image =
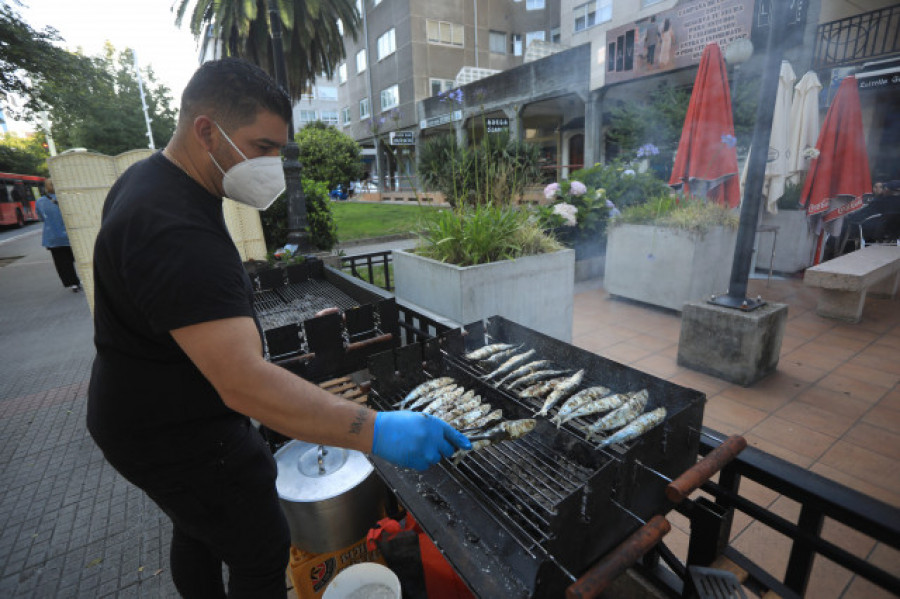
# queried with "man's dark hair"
point(232, 91)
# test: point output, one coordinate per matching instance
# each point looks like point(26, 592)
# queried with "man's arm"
point(229, 354)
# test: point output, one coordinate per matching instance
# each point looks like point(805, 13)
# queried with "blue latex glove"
point(415, 440)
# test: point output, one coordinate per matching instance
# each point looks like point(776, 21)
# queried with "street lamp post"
point(298, 233)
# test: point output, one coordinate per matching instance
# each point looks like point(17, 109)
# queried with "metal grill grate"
point(298, 302)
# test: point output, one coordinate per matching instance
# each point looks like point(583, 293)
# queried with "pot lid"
point(309, 472)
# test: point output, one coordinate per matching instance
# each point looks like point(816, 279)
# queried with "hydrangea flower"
point(577, 188)
point(551, 190)
point(568, 212)
point(647, 150)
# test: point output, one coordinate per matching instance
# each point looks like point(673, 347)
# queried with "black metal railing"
point(819, 498)
point(852, 40)
point(416, 327)
point(374, 268)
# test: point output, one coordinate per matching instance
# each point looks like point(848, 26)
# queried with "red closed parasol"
point(706, 161)
point(841, 167)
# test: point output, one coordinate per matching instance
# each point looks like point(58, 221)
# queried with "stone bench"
point(846, 280)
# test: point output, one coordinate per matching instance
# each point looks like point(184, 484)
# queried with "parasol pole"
point(736, 296)
point(298, 234)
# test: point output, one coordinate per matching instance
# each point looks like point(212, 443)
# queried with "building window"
point(646, 3)
point(308, 116)
point(442, 32)
point(441, 85)
point(330, 117)
point(342, 72)
point(555, 36)
point(534, 35)
point(376, 2)
point(364, 109)
point(498, 42)
point(327, 92)
point(359, 7)
point(592, 13)
point(534, 4)
point(387, 44)
point(361, 61)
point(390, 97)
point(345, 115)
point(516, 44)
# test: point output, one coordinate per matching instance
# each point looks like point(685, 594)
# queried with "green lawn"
point(365, 220)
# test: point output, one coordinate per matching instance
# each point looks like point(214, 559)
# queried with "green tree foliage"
point(328, 155)
point(28, 58)
point(496, 170)
point(322, 230)
point(81, 114)
point(23, 155)
point(311, 37)
point(660, 118)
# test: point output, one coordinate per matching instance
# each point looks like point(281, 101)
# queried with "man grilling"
point(179, 369)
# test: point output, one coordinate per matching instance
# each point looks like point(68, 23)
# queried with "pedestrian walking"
point(56, 239)
point(179, 369)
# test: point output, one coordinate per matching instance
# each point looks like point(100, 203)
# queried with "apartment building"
point(411, 50)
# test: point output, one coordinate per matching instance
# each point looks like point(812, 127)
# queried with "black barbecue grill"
point(525, 518)
point(289, 304)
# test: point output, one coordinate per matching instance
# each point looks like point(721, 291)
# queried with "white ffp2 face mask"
point(256, 182)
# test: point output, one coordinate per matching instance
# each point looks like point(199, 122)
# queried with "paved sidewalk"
point(70, 526)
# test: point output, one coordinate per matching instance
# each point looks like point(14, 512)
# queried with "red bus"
point(18, 194)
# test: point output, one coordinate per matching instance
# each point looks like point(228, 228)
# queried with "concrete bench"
point(846, 280)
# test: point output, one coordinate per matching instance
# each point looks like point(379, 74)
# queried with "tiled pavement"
point(71, 527)
point(832, 406)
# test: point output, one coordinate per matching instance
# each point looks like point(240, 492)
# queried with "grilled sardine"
point(534, 377)
point(510, 364)
point(426, 387)
point(541, 389)
point(450, 390)
point(499, 357)
point(630, 410)
point(521, 371)
point(509, 430)
point(575, 403)
point(560, 391)
point(487, 351)
point(637, 427)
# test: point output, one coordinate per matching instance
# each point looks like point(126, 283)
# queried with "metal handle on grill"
point(295, 359)
point(366, 342)
point(595, 580)
point(699, 473)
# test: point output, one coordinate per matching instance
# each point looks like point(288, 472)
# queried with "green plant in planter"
point(790, 200)
point(686, 213)
point(689, 214)
point(322, 230)
point(577, 216)
point(484, 233)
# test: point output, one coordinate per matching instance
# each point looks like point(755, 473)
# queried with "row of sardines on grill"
point(622, 416)
point(466, 411)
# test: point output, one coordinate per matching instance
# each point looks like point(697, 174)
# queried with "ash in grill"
point(542, 508)
point(286, 302)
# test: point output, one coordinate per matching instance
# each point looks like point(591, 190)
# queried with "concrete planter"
point(534, 291)
point(793, 246)
point(668, 267)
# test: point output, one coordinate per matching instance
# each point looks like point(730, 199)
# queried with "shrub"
point(322, 230)
point(494, 171)
point(623, 186)
point(328, 155)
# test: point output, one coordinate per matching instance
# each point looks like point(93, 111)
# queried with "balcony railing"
point(854, 39)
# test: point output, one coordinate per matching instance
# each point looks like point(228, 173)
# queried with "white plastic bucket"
point(364, 581)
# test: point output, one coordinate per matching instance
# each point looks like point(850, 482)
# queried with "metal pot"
point(330, 496)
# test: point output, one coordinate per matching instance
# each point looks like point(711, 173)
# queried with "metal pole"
point(137, 72)
point(736, 297)
point(298, 235)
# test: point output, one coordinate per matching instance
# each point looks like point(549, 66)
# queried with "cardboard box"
point(310, 573)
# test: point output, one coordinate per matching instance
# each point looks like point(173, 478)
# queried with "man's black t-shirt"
point(163, 259)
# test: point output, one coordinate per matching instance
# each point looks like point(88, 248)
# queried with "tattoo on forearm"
point(361, 416)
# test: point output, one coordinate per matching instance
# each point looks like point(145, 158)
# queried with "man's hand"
point(415, 440)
